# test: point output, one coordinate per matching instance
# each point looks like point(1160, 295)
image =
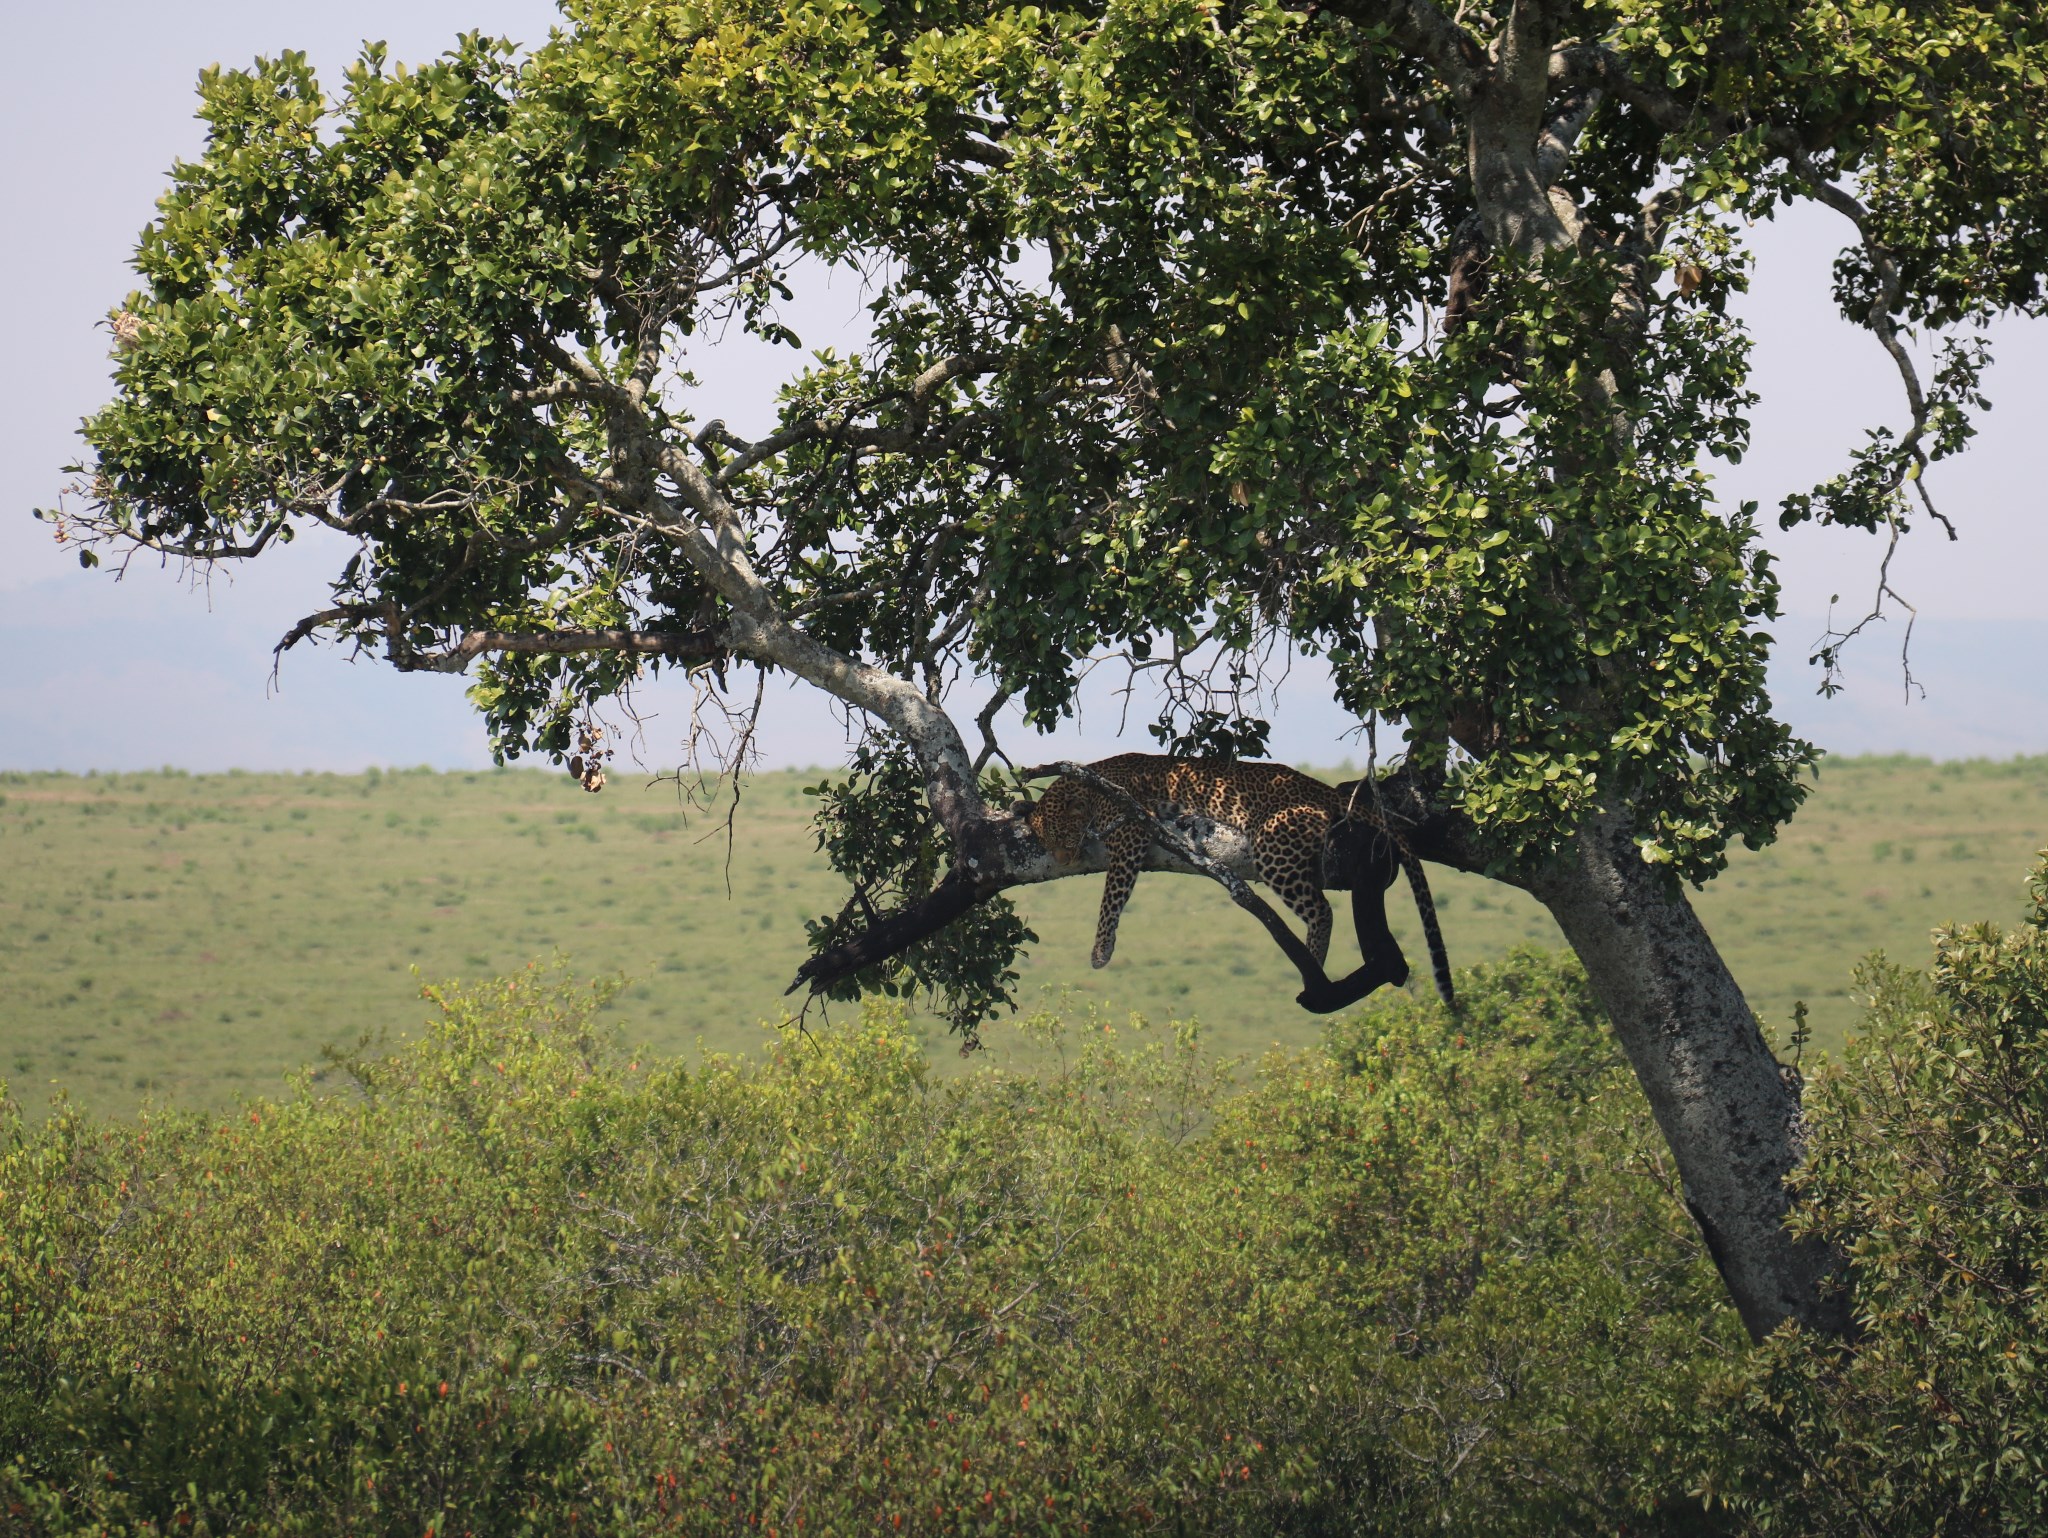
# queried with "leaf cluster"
point(876, 829)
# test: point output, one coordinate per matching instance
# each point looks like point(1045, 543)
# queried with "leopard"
point(1288, 817)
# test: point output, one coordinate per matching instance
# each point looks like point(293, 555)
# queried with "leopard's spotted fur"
point(1287, 816)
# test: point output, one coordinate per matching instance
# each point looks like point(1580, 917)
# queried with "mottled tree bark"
point(1724, 1106)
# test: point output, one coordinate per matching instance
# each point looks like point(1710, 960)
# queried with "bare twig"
point(986, 721)
point(1828, 649)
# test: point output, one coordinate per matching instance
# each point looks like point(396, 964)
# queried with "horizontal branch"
point(313, 622)
point(1193, 845)
point(685, 646)
point(681, 645)
point(201, 549)
point(896, 932)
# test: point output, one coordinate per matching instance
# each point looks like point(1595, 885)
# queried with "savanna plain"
point(187, 939)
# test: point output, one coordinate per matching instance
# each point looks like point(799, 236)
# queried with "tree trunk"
point(1730, 1118)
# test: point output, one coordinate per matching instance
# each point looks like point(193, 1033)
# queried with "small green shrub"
point(1928, 1167)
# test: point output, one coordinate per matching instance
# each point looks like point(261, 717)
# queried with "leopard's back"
point(1284, 814)
point(1249, 796)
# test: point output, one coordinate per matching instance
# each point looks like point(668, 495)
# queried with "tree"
point(1389, 334)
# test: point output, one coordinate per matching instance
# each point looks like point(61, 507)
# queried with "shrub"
point(514, 1281)
point(1538, 1309)
point(1928, 1167)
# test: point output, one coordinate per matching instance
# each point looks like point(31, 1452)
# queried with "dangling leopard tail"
point(1425, 907)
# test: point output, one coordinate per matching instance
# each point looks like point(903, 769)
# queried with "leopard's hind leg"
point(1126, 844)
point(1377, 947)
point(1288, 858)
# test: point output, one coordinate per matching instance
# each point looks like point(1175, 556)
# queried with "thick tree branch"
point(682, 646)
point(1515, 200)
point(1578, 66)
point(584, 379)
point(712, 536)
point(893, 934)
point(1560, 136)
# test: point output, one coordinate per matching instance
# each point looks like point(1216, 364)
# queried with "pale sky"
point(148, 672)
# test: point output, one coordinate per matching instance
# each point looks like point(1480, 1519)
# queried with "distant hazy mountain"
point(95, 675)
point(1985, 683)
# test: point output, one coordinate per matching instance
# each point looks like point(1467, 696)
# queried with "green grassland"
point(190, 937)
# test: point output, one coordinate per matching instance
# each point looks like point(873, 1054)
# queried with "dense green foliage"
point(511, 1277)
point(1431, 1275)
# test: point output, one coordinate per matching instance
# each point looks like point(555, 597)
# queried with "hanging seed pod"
point(576, 767)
